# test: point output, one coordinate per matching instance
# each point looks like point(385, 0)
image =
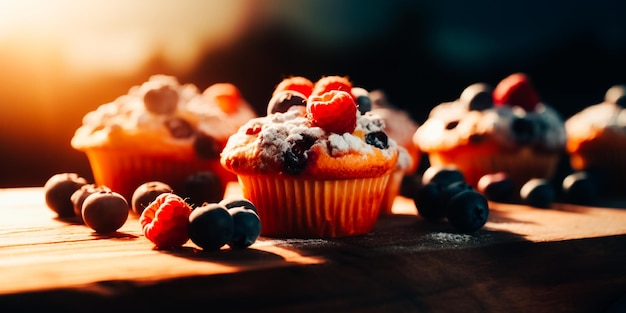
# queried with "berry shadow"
point(226, 255)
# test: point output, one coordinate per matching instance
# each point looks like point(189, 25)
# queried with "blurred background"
point(60, 59)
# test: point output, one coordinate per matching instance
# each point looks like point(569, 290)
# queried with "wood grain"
point(564, 259)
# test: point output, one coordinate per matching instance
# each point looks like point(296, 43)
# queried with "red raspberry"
point(328, 83)
point(296, 83)
point(225, 95)
point(333, 111)
point(165, 220)
point(516, 90)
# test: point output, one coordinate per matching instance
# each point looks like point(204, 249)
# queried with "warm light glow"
point(117, 35)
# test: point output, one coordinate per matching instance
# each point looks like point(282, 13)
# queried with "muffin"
point(505, 129)
point(161, 130)
point(400, 127)
point(314, 167)
point(596, 136)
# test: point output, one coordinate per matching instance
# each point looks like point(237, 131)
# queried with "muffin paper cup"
point(124, 171)
point(521, 165)
point(303, 208)
point(391, 191)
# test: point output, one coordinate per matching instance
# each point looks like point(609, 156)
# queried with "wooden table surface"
point(564, 259)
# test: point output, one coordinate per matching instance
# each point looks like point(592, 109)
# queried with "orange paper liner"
point(301, 208)
point(392, 190)
point(124, 171)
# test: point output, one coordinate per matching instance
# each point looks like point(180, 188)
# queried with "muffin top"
point(608, 116)
point(321, 135)
point(163, 116)
point(510, 116)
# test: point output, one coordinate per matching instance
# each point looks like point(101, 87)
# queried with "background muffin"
point(596, 137)
point(161, 131)
point(505, 130)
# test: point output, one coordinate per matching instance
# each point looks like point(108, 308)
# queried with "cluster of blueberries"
point(212, 224)
point(444, 194)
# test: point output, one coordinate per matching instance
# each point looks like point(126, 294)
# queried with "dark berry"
point(496, 187)
point(364, 103)
point(538, 192)
point(452, 125)
point(579, 188)
point(79, 196)
point(296, 158)
point(467, 211)
point(146, 193)
point(523, 130)
point(210, 226)
point(284, 99)
point(443, 175)
point(246, 227)
point(428, 202)
point(451, 190)
point(201, 187)
point(365, 100)
point(230, 203)
point(178, 127)
point(105, 211)
point(377, 139)
point(58, 192)
point(478, 96)
point(206, 147)
point(161, 101)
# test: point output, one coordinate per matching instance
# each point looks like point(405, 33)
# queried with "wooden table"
point(564, 259)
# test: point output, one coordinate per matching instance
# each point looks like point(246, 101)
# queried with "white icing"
point(438, 131)
point(597, 117)
point(128, 121)
point(279, 130)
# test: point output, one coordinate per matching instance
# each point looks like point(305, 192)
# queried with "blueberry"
point(79, 196)
point(105, 211)
point(579, 188)
point(201, 187)
point(230, 203)
point(478, 96)
point(58, 191)
point(364, 99)
point(364, 104)
point(295, 158)
point(538, 192)
point(246, 227)
point(161, 101)
point(497, 187)
point(210, 226)
point(146, 193)
point(283, 100)
point(523, 130)
point(377, 139)
point(451, 190)
point(443, 175)
point(178, 127)
point(206, 147)
point(428, 202)
point(468, 211)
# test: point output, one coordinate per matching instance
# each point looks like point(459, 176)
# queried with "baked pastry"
point(596, 136)
point(400, 127)
point(162, 131)
point(317, 168)
point(506, 129)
